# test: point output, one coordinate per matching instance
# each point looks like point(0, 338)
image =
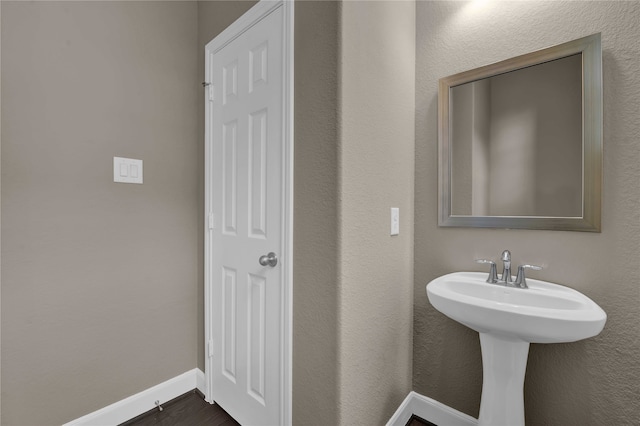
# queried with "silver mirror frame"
point(591, 50)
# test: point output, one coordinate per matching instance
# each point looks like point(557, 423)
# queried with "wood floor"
point(418, 421)
point(189, 409)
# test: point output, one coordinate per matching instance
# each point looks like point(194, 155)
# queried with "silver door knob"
point(269, 259)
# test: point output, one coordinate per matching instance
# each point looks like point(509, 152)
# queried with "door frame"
point(246, 21)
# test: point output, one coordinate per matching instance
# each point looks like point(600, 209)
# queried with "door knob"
point(269, 259)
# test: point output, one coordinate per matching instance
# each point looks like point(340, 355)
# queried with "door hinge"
point(210, 349)
point(209, 88)
point(211, 221)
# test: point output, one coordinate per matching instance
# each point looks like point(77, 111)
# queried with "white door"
point(248, 202)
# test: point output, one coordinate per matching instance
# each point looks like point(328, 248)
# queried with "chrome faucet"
point(521, 280)
point(506, 268)
point(507, 280)
point(493, 275)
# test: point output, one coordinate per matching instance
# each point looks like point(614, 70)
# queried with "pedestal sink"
point(508, 319)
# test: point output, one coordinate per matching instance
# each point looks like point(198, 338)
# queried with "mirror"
point(520, 141)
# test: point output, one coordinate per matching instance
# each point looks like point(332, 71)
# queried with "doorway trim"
point(246, 21)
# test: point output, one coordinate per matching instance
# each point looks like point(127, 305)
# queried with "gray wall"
point(592, 382)
point(376, 151)
point(316, 394)
point(99, 280)
point(0, 218)
point(107, 278)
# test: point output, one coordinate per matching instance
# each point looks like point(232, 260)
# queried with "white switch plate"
point(395, 221)
point(127, 170)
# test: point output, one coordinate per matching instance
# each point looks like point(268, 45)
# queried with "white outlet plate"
point(395, 221)
point(127, 170)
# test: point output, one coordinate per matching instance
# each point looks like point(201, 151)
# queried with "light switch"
point(127, 170)
point(395, 221)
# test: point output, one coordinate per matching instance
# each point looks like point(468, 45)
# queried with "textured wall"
point(315, 264)
point(592, 382)
point(98, 279)
point(376, 151)
point(0, 217)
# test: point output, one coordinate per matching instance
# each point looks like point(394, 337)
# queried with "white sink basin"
point(543, 313)
point(508, 319)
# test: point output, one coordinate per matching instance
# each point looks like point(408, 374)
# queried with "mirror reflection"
point(520, 141)
point(517, 142)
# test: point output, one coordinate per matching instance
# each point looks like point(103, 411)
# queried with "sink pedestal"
point(508, 319)
point(504, 361)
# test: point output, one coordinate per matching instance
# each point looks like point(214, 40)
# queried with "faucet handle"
point(493, 274)
point(521, 280)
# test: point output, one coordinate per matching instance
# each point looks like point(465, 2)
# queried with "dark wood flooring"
point(189, 409)
point(419, 421)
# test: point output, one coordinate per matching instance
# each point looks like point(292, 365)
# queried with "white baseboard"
point(200, 381)
point(430, 410)
point(144, 401)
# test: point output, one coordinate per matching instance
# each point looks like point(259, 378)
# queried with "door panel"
point(228, 325)
point(247, 184)
point(229, 177)
point(258, 173)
